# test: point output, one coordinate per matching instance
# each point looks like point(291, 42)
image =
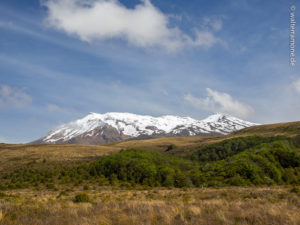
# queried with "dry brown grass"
point(257, 206)
point(18, 155)
point(287, 129)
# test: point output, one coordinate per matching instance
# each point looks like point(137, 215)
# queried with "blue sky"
point(61, 59)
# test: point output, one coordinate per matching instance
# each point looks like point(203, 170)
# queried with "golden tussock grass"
point(13, 156)
point(208, 206)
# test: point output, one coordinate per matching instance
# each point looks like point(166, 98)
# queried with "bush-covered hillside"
point(230, 147)
point(269, 161)
point(249, 160)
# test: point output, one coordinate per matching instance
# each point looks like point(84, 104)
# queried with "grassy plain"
point(107, 205)
point(256, 205)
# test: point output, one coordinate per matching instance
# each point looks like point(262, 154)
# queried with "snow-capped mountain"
point(102, 128)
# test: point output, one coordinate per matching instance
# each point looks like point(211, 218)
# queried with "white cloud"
point(14, 96)
point(217, 25)
point(296, 85)
point(142, 26)
point(205, 39)
point(214, 23)
point(55, 108)
point(220, 102)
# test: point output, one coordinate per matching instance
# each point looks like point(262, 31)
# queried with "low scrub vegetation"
point(242, 161)
point(82, 197)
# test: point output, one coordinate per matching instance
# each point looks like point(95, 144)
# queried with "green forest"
point(241, 161)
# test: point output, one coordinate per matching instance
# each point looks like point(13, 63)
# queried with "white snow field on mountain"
point(112, 126)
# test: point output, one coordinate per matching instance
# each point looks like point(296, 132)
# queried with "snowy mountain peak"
point(215, 117)
point(218, 117)
point(101, 127)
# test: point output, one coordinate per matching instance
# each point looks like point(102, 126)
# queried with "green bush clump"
point(144, 167)
point(81, 197)
point(295, 190)
point(171, 147)
point(50, 186)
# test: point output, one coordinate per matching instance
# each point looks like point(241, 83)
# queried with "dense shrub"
point(275, 161)
point(295, 190)
point(230, 147)
point(81, 197)
point(143, 167)
point(171, 147)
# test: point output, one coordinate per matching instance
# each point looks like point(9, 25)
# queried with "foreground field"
point(207, 206)
point(105, 185)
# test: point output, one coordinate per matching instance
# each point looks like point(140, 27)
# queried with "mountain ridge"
point(97, 128)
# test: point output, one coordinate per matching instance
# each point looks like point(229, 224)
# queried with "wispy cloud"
point(296, 85)
point(220, 102)
point(142, 26)
point(56, 108)
point(14, 96)
point(214, 23)
point(204, 38)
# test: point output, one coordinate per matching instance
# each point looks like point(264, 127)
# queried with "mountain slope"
point(103, 128)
